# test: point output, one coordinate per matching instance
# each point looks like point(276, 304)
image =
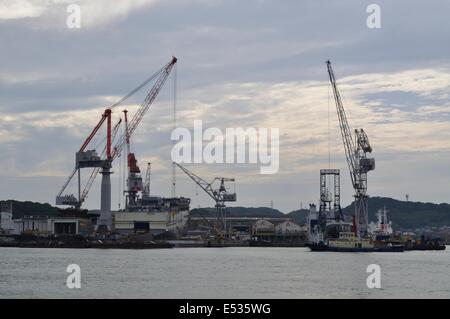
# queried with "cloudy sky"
point(253, 63)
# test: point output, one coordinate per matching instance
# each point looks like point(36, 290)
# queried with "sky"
point(253, 63)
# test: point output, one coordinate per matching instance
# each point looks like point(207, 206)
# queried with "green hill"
point(404, 215)
point(299, 216)
point(27, 208)
point(241, 211)
point(408, 215)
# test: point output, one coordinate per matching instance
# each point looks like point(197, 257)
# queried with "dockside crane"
point(356, 150)
point(220, 196)
point(86, 159)
point(102, 164)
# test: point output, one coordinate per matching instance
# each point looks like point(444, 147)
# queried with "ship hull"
point(323, 247)
point(435, 247)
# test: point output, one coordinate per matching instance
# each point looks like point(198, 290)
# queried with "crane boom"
point(207, 187)
point(356, 154)
point(345, 129)
point(161, 78)
point(67, 182)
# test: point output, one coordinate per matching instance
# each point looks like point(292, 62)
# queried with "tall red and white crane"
point(356, 150)
point(102, 164)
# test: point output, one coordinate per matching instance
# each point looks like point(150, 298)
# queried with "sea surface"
point(221, 273)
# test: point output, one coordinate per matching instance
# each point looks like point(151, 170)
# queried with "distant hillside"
point(241, 211)
point(30, 208)
point(404, 215)
point(408, 215)
point(299, 216)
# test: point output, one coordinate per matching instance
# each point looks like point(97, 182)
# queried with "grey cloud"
point(219, 45)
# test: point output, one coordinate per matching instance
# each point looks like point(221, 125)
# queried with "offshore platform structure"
point(330, 202)
point(220, 196)
point(115, 143)
point(356, 150)
point(328, 222)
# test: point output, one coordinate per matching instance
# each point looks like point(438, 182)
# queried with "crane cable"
point(174, 124)
point(142, 85)
point(119, 188)
point(329, 135)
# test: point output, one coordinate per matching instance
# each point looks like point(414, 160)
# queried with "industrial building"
point(6, 222)
point(138, 222)
point(36, 225)
point(289, 230)
point(45, 226)
point(263, 229)
point(242, 228)
point(158, 216)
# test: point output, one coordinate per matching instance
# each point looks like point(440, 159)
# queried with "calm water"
point(221, 273)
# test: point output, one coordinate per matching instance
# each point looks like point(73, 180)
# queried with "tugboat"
point(340, 236)
point(349, 242)
point(328, 230)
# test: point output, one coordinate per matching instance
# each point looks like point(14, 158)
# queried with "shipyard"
point(148, 221)
point(233, 151)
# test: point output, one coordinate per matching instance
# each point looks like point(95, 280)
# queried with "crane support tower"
point(148, 173)
point(219, 195)
point(356, 150)
point(330, 201)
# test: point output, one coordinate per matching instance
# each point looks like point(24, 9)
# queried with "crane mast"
point(134, 179)
point(219, 195)
point(356, 150)
point(146, 189)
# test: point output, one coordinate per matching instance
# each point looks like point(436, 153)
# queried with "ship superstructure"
point(382, 227)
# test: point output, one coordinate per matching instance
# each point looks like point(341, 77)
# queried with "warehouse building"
point(6, 223)
point(44, 226)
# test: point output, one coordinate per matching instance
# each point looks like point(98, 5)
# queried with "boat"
point(329, 233)
point(260, 243)
point(425, 244)
point(382, 227)
point(348, 242)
